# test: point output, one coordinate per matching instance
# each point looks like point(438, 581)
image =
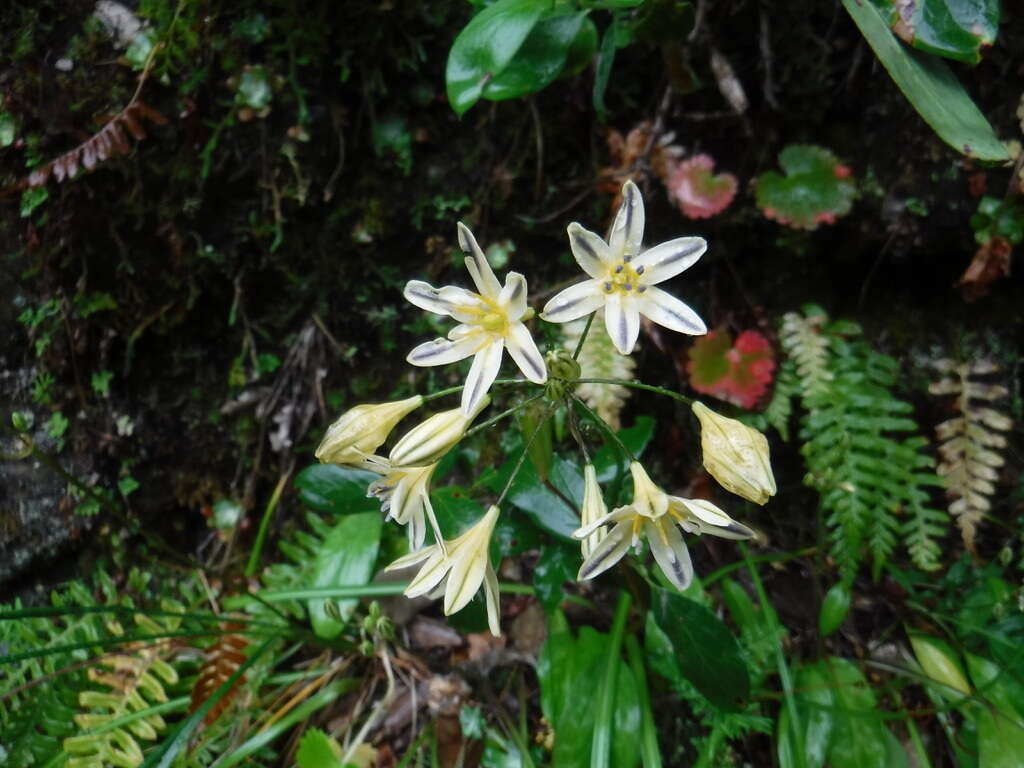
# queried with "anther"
point(641, 288)
point(618, 269)
point(607, 286)
point(627, 259)
point(640, 270)
point(628, 286)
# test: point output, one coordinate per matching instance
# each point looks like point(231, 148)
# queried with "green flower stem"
point(650, 754)
point(583, 336)
point(623, 448)
point(795, 731)
point(781, 557)
point(526, 448)
point(460, 387)
point(640, 385)
point(504, 414)
point(601, 746)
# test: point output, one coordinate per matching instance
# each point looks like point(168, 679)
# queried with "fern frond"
point(779, 409)
point(223, 658)
point(971, 443)
point(600, 360)
point(803, 340)
point(860, 446)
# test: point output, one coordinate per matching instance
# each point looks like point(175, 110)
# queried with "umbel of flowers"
point(621, 284)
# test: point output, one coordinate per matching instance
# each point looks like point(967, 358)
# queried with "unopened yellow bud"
point(593, 509)
point(429, 441)
point(362, 430)
point(735, 455)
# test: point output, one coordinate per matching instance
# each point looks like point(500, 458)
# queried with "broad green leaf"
point(834, 608)
point(558, 563)
point(318, 750)
point(553, 666)
point(705, 650)
point(956, 29)
point(1001, 725)
point(8, 129)
point(330, 488)
point(347, 557)
point(549, 509)
point(539, 60)
point(538, 436)
point(859, 736)
point(930, 87)
point(816, 189)
point(582, 51)
point(486, 46)
point(603, 70)
point(456, 512)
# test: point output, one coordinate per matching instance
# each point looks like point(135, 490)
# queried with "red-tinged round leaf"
point(699, 192)
point(816, 189)
point(739, 373)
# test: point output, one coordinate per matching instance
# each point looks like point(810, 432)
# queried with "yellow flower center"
point(624, 278)
point(496, 322)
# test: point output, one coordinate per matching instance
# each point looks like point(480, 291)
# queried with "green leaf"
point(603, 70)
point(456, 512)
point(931, 88)
point(558, 563)
point(31, 199)
point(330, 488)
point(816, 188)
point(318, 750)
point(608, 460)
point(8, 129)
point(547, 508)
point(486, 47)
point(956, 29)
point(834, 608)
point(538, 435)
point(540, 59)
point(582, 51)
point(347, 557)
point(942, 664)
point(859, 735)
point(706, 652)
point(1001, 726)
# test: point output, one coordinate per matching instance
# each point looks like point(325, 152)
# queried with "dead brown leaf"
point(990, 262)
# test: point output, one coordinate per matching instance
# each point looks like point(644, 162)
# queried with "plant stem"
point(583, 336)
point(600, 751)
point(628, 454)
point(504, 414)
point(640, 385)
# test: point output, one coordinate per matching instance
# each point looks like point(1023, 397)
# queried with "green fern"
point(780, 408)
point(861, 448)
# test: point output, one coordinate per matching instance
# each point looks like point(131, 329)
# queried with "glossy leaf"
point(486, 47)
point(815, 188)
point(347, 557)
point(558, 563)
point(1001, 725)
point(548, 508)
point(956, 29)
point(608, 460)
point(539, 60)
point(706, 652)
point(834, 608)
point(582, 50)
point(942, 664)
point(568, 669)
point(340, 490)
point(930, 87)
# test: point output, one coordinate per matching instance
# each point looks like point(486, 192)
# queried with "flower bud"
point(362, 430)
point(433, 438)
point(941, 663)
point(593, 509)
point(735, 455)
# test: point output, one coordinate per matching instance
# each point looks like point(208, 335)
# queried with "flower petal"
point(666, 310)
point(493, 604)
point(591, 251)
point(670, 551)
point(669, 259)
point(466, 306)
point(469, 566)
point(523, 350)
point(482, 374)
point(710, 519)
point(622, 320)
point(616, 515)
point(411, 559)
point(431, 574)
point(425, 296)
point(476, 263)
point(607, 553)
point(628, 228)
point(443, 351)
point(513, 296)
point(441, 543)
point(574, 302)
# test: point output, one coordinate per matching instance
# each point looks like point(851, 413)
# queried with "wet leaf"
point(539, 61)
point(956, 29)
point(941, 663)
point(486, 46)
point(930, 87)
point(705, 650)
point(816, 189)
point(346, 558)
point(330, 488)
point(558, 563)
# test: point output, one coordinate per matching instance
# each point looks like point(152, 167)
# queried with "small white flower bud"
point(735, 455)
point(362, 430)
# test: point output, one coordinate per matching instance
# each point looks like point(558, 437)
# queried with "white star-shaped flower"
point(624, 278)
point(489, 322)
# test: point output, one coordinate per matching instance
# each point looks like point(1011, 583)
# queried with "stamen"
point(627, 259)
point(619, 268)
point(608, 287)
point(641, 288)
point(640, 270)
point(628, 286)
